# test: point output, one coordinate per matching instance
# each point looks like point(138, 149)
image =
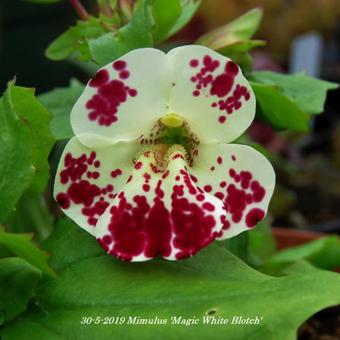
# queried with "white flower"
point(150, 171)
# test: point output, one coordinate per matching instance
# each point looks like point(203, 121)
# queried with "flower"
point(149, 171)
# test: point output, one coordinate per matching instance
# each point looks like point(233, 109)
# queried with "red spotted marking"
point(142, 225)
point(200, 197)
point(115, 173)
point(119, 65)
point(254, 216)
point(222, 119)
point(165, 174)
point(92, 198)
point(146, 187)
point(219, 86)
point(138, 165)
point(223, 184)
point(111, 93)
point(63, 200)
point(226, 225)
point(124, 74)
point(101, 78)
point(194, 62)
point(238, 195)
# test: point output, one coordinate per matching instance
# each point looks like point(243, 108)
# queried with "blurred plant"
point(89, 283)
point(282, 22)
point(234, 39)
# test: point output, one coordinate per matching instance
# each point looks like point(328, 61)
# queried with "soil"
point(324, 325)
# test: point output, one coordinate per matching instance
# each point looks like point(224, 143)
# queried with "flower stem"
point(105, 8)
point(80, 9)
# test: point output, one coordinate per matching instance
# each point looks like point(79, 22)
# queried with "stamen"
point(161, 154)
point(172, 120)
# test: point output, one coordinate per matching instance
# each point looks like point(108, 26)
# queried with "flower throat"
point(170, 131)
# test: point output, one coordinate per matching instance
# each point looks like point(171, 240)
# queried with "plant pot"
point(286, 238)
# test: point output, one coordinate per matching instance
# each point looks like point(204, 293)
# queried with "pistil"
point(172, 120)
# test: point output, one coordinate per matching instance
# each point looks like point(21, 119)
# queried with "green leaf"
point(35, 115)
point(308, 93)
point(238, 30)
point(241, 46)
point(239, 52)
point(22, 246)
point(60, 102)
point(16, 168)
point(68, 238)
point(31, 216)
point(74, 39)
point(137, 33)
point(171, 16)
point(324, 253)
point(239, 246)
point(18, 280)
point(261, 241)
point(165, 14)
point(189, 8)
point(234, 39)
point(213, 283)
point(248, 246)
point(277, 109)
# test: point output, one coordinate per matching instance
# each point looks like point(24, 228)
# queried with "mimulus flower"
point(149, 171)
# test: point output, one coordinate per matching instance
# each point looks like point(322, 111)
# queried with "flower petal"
point(160, 213)
point(123, 100)
point(87, 180)
point(211, 94)
point(241, 177)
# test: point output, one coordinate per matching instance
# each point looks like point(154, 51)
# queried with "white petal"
point(210, 93)
point(87, 180)
point(241, 177)
point(124, 100)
